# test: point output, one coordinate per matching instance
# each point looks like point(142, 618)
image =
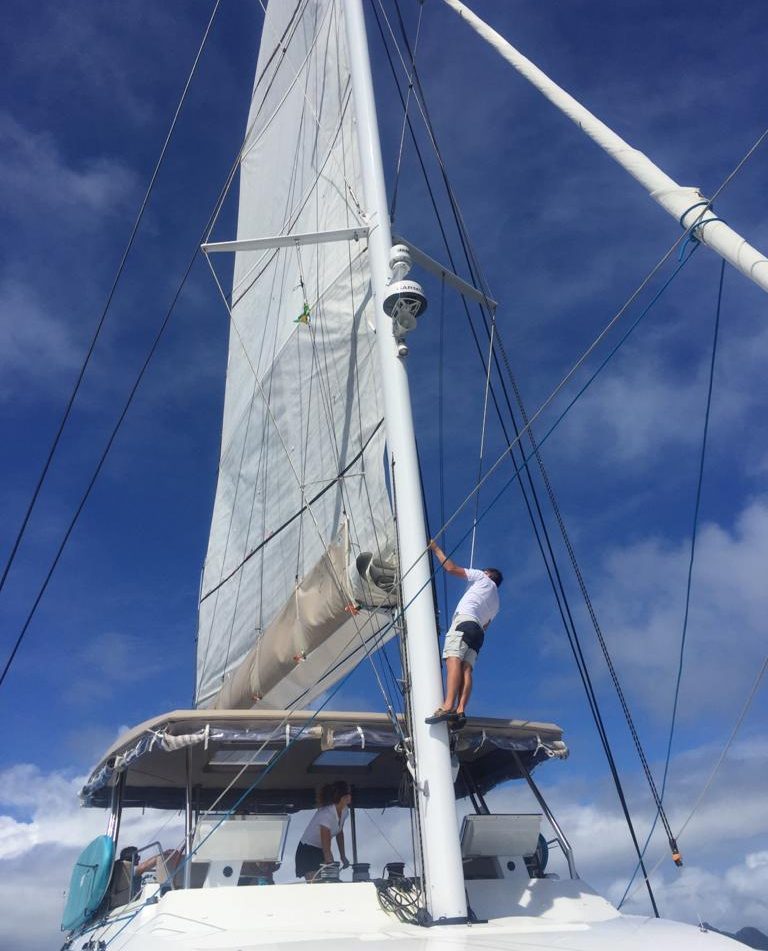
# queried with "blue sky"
point(563, 238)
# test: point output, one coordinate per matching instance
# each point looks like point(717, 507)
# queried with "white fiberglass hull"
point(547, 914)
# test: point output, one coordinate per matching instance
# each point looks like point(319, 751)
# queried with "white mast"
point(684, 203)
point(443, 873)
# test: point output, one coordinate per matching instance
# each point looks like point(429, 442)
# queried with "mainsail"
point(301, 486)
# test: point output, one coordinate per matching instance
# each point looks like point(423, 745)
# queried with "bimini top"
point(286, 755)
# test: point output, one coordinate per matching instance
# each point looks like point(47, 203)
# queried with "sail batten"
point(301, 484)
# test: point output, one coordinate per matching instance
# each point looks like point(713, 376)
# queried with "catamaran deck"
point(542, 914)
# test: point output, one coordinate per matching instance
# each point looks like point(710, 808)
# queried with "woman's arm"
point(342, 852)
point(325, 843)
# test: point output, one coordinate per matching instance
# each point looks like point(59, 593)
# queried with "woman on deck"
point(314, 848)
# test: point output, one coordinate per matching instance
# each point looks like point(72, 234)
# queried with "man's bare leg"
point(453, 682)
point(466, 687)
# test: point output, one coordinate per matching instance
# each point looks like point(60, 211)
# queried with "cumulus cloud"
point(39, 179)
point(34, 341)
point(634, 413)
point(42, 830)
point(641, 598)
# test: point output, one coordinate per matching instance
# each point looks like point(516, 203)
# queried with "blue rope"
point(694, 530)
point(690, 236)
point(704, 204)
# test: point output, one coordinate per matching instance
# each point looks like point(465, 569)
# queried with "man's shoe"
point(440, 716)
point(458, 721)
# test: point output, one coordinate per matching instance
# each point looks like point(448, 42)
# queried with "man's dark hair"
point(495, 575)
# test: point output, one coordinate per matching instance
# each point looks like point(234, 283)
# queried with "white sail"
point(301, 486)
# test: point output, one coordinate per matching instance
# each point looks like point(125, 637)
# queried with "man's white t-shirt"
point(481, 599)
point(325, 816)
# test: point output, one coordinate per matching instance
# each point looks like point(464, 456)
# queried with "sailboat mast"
point(435, 800)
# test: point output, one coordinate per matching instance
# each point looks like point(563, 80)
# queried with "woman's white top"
point(327, 817)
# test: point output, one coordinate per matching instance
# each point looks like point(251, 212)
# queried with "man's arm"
point(450, 566)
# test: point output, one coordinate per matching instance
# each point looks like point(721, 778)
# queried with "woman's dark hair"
point(332, 793)
point(495, 575)
point(129, 854)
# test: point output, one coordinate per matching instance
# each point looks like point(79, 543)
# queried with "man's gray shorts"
point(455, 645)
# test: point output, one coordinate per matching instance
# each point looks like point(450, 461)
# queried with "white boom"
point(685, 203)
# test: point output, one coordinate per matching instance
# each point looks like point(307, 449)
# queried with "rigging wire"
point(544, 527)
point(108, 303)
point(481, 454)
point(689, 579)
point(396, 183)
point(441, 428)
point(611, 323)
point(575, 366)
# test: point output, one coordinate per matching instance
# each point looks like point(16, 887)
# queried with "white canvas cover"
point(302, 453)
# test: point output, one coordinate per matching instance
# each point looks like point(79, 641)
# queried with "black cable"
point(110, 296)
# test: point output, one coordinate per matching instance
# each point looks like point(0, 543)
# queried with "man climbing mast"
point(474, 612)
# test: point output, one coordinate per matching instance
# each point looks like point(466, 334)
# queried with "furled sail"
point(301, 487)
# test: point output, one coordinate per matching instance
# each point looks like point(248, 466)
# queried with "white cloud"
point(34, 341)
point(729, 899)
point(110, 662)
point(641, 601)
point(38, 179)
point(50, 801)
point(634, 412)
point(39, 843)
